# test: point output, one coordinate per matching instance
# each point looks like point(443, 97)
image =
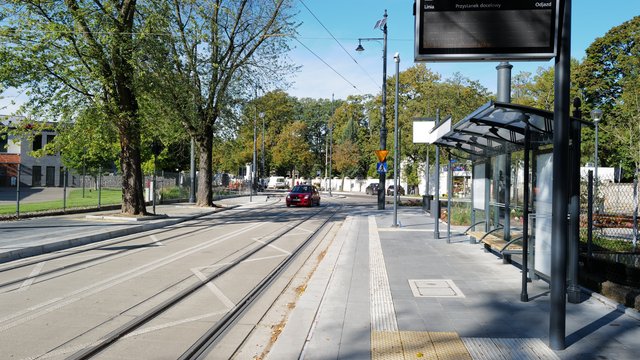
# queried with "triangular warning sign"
point(382, 154)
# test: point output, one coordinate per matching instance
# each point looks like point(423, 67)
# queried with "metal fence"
point(609, 216)
point(28, 190)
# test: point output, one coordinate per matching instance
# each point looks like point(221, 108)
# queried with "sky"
point(352, 72)
point(349, 20)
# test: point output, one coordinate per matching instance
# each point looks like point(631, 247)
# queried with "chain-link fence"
point(43, 189)
point(609, 216)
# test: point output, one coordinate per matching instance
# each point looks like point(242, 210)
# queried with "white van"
point(277, 182)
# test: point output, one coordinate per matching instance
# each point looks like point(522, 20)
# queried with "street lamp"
point(596, 116)
point(396, 152)
point(330, 145)
point(262, 172)
point(253, 163)
point(382, 24)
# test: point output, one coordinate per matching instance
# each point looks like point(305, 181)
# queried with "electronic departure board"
point(469, 30)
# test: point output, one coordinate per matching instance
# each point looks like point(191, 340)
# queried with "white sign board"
point(479, 186)
point(425, 132)
point(421, 131)
point(543, 206)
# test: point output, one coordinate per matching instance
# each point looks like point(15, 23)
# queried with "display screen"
point(484, 30)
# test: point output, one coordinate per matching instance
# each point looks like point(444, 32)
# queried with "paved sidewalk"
point(33, 236)
point(385, 292)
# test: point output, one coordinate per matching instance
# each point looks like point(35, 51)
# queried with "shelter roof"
point(497, 128)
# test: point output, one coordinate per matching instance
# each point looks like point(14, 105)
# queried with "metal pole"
point(426, 173)
point(524, 296)
point(436, 225)
point(557, 318)
point(64, 190)
point(635, 210)
point(487, 195)
point(507, 197)
point(473, 207)
point(192, 172)
point(84, 174)
point(396, 152)
point(504, 81)
point(262, 172)
point(596, 161)
point(449, 196)
point(383, 124)
point(574, 207)
point(153, 190)
point(18, 191)
point(99, 185)
point(589, 214)
point(254, 171)
point(504, 95)
point(330, 145)
point(496, 191)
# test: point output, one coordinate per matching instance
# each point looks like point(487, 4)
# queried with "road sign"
point(382, 167)
point(382, 155)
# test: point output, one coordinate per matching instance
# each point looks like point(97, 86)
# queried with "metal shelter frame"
point(498, 128)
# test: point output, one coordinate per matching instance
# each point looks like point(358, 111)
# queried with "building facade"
point(17, 162)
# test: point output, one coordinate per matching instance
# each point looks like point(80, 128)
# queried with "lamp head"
point(596, 115)
point(359, 48)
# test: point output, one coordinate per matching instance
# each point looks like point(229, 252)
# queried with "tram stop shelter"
point(488, 137)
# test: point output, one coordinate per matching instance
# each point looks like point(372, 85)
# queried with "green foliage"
point(215, 55)
point(74, 58)
point(609, 76)
point(174, 193)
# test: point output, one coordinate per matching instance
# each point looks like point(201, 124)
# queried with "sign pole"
point(557, 316)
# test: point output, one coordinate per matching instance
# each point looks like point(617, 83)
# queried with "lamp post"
point(396, 151)
point(596, 116)
point(262, 172)
point(382, 24)
point(330, 146)
point(253, 163)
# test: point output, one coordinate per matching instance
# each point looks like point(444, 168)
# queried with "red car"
point(303, 195)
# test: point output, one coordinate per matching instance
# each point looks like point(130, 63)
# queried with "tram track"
point(205, 221)
point(74, 301)
point(201, 346)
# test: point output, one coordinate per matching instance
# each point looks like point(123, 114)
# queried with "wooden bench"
point(496, 244)
point(603, 221)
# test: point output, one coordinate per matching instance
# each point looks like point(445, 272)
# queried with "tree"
point(609, 78)
point(216, 52)
point(90, 142)
point(292, 150)
point(421, 93)
point(75, 55)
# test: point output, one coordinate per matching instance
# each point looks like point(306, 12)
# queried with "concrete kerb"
point(71, 242)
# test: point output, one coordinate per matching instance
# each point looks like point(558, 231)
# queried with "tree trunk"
point(205, 168)
point(132, 191)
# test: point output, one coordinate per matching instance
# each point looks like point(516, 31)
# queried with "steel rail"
point(135, 323)
point(201, 348)
point(195, 221)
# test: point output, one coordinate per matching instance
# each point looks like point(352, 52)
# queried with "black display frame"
point(519, 10)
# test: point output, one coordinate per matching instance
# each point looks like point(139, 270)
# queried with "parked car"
point(277, 182)
point(372, 189)
point(303, 195)
point(390, 190)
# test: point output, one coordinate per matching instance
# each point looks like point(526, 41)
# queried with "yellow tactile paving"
point(386, 345)
point(405, 345)
point(417, 345)
point(449, 346)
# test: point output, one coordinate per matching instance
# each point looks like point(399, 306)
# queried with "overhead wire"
point(343, 48)
point(330, 67)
